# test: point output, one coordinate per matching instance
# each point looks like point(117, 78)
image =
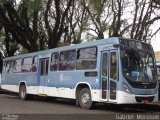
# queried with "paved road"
point(11, 104)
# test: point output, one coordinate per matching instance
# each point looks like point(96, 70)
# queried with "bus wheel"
point(22, 92)
point(85, 100)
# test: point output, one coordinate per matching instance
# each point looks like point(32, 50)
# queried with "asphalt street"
point(10, 104)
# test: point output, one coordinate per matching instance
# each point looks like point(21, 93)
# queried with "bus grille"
point(143, 86)
point(140, 99)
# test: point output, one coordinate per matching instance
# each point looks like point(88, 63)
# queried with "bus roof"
point(112, 40)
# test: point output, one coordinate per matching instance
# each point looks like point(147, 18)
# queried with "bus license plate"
point(145, 101)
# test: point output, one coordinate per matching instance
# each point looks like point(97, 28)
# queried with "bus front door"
point(109, 75)
point(44, 62)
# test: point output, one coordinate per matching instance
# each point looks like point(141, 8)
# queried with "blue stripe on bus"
point(71, 86)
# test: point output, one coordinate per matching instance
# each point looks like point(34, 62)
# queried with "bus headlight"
point(156, 89)
point(126, 88)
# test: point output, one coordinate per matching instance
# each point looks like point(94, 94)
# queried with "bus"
point(158, 74)
point(113, 70)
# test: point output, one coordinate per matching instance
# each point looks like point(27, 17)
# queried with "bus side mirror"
point(118, 45)
point(1, 63)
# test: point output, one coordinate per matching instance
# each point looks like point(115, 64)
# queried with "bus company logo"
point(145, 86)
point(61, 77)
point(64, 78)
point(145, 92)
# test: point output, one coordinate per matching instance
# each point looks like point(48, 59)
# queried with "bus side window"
point(17, 65)
point(104, 65)
point(150, 62)
point(113, 65)
point(71, 60)
point(87, 58)
point(27, 64)
point(9, 66)
point(4, 67)
point(35, 64)
point(67, 60)
point(62, 62)
point(54, 62)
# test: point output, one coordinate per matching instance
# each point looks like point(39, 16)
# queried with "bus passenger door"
point(109, 75)
point(113, 76)
point(44, 62)
point(104, 75)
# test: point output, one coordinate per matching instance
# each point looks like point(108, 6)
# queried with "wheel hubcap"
point(85, 98)
point(22, 93)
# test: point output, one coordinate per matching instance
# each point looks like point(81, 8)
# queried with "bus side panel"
point(63, 83)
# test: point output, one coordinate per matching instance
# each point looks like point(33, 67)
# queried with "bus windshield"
point(138, 65)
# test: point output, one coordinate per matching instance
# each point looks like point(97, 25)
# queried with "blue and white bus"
point(113, 70)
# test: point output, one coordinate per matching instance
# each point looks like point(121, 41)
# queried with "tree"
point(36, 24)
point(157, 2)
point(117, 10)
point(76, 23)
point(10, 43)
point(95, 9)
point(144, 17)
point(22, 22)
point(55, 20)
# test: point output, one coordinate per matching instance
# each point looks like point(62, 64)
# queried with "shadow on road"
point(129, 108)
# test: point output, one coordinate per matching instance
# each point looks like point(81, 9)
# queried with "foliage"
point(33, 25)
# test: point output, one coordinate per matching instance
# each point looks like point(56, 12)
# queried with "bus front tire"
point(85, 100)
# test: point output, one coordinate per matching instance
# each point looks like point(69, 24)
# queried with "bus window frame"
point(78, 56)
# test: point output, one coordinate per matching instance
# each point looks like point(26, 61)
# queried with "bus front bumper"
point(126, 98)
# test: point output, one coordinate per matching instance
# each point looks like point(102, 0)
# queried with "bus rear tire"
point(85, 100)
point(22, 93)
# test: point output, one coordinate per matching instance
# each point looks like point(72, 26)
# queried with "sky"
point(155, 42)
